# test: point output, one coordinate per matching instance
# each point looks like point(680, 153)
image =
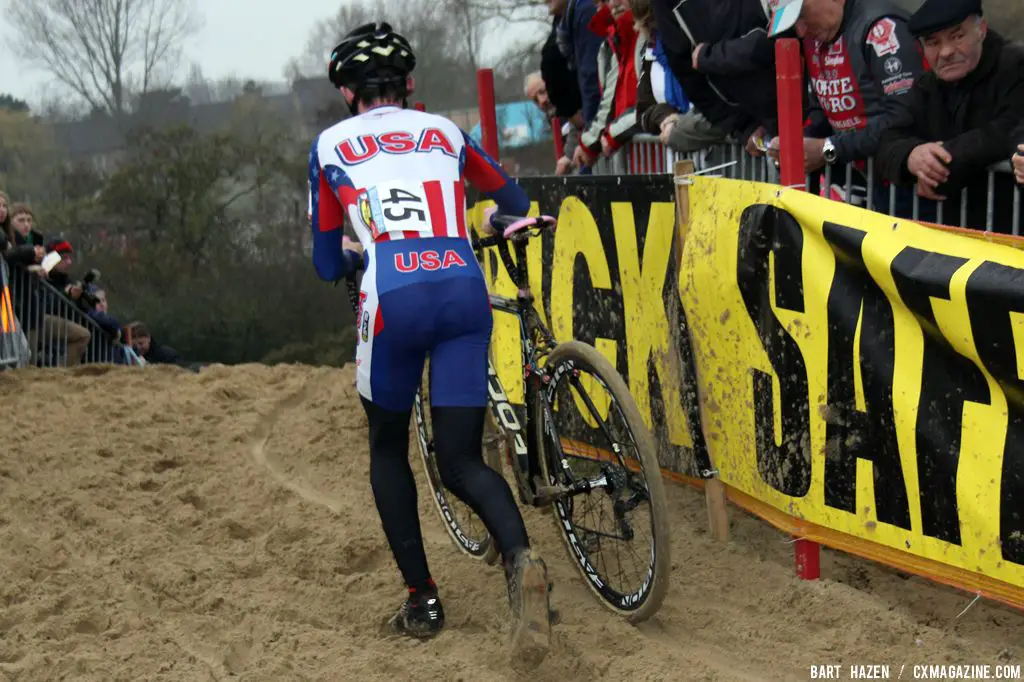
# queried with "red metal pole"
point(556, 129)
point(488, 111)
point(789, 76)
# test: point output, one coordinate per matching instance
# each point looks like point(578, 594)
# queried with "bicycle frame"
point(536, 342)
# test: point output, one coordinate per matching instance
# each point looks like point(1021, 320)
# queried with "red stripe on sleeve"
point(482, 174)
point(329, 213)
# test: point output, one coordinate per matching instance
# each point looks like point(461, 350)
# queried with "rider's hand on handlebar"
point(487, 228)
point(351, 244)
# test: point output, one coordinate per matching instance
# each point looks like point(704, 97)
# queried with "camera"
point(89, 298)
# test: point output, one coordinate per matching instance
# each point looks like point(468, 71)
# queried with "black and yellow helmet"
point(371, 55)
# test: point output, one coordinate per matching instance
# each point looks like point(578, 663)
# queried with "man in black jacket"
point(960, 117)
point(151, 351)
point(720, 53)
point(861, 62)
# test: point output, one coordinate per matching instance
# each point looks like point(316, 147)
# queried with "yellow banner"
point(607, 276)
point(860, 372)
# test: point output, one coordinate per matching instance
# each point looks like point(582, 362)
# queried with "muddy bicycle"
point(577, 452)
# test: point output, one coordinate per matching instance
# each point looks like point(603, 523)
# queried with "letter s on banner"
point(766, 231)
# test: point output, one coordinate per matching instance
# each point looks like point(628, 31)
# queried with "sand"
point(164, 525)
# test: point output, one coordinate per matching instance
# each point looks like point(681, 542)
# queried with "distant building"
point(100, 141)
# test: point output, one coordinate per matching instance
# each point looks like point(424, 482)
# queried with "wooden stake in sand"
point(714, 489)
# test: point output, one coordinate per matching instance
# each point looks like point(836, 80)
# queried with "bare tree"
point(448, 51)
point(105, 51)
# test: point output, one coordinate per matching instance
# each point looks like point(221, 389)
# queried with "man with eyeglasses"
point(959, 117)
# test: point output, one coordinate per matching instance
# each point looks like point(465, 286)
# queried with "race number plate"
point(396, 206)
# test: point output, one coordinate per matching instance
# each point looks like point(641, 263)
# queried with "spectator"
point(719, 52)
point(94, 303)
point(662, 107)
point(579, 46)
point(615, 122)
point(23, 222)
point(14, 253)
point(151, 351)
point(563, 89)
point(57, 326)
point(536, 90)
point(959, 117)
point(559, 79)
point(861, 61)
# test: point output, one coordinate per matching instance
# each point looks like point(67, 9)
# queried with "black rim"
point(471, 545)
point(581, 539)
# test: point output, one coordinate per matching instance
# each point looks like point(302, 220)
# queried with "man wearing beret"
point(861, 62)
point(960, 117)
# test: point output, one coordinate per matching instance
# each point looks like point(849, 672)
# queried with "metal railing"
point(858, 184)
point(54, 331)
point(13, 344)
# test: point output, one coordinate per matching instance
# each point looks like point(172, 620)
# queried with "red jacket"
point(621, 37)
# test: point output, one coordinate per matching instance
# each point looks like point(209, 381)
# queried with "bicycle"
point(542, 456)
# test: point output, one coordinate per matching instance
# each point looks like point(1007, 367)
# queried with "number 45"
point(399, 196)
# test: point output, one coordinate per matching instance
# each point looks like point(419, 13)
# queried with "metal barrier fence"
point(13, 344)
point(857, 184)
point(54, 331)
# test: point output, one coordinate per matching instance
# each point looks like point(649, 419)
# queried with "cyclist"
point(397, 175)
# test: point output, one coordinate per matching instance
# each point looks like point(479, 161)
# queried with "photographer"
point(93, 303)
point(151, 351)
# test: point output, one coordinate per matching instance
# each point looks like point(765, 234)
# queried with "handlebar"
point(513, 228)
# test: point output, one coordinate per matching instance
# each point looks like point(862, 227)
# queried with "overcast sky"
point(244, 38)
point(248, 38)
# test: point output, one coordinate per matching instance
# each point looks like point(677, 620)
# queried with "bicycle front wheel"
point(464, 527)
point(593, 436)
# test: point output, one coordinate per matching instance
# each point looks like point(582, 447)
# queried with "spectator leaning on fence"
point(615, 122)
point(579, 46)
point(23, 222)
point(562, 88)
point(662, 107)
point(56, 325)
point(151, 351)
point(15, 252)
point(861, 61)
point(536, 89)
point(960, 117)
point(719, 52)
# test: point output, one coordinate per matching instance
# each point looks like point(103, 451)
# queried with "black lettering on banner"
point(764, 231)
point(850, 434)
point(948, 380)
point(995, 291)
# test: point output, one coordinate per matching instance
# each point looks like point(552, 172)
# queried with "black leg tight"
point(457, 439)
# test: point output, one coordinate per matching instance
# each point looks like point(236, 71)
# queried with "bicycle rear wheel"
point(464, 527)
point(620, 460)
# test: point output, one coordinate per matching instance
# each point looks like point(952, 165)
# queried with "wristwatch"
point(828, 150)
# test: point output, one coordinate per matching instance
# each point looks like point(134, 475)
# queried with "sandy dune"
point(163, 525)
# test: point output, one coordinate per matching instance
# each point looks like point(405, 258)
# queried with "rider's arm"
point(327, 218)
point(486, 175)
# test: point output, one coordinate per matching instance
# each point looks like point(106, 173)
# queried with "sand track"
point(164, 525)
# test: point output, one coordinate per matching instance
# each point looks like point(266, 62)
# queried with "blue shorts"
point(420, 298)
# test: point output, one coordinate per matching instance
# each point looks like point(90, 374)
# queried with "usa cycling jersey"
point(397, 175)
